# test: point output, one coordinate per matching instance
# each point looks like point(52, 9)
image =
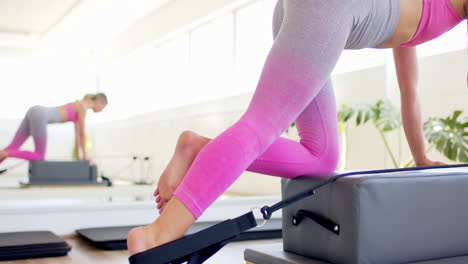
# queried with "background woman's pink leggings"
point(34, 124)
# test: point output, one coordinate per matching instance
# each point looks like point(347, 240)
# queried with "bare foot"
point(187, 148)
point(171, 225)
point(3, 155)
point(139, 239)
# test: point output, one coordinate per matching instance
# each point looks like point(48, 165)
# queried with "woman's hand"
point(428, 162)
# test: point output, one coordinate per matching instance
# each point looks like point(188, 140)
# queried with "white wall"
point(443, 89)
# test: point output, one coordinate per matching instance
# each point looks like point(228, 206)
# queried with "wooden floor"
point(83, 253)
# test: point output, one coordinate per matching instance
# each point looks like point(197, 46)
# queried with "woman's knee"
point(40, 155)
point(331, 159)
point(327, 152)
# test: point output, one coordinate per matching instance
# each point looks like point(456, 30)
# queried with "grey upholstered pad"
point(274, 254)
point(62, 173)
point(387, 218)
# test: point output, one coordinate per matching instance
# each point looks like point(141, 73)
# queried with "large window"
point(223, 57)
point(49, 80)
point(354, 60)
point(211, 59)
point(152, 78)
point(219, 58)
point(254, 38)
point(455, 39)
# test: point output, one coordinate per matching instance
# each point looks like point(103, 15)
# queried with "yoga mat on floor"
point(33, 244)
point(115, 238)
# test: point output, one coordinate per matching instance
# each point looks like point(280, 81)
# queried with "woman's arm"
point(407, 74)
point(77, 141)
point(81, 133)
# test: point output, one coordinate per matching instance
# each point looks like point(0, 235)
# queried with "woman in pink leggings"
point(295, 87)
point(35, 124)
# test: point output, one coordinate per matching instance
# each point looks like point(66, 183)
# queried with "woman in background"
point(35, 124)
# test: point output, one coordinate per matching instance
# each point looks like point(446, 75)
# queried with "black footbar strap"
point(198, 247)
point(267, 211)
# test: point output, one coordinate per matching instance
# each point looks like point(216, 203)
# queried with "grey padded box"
point(399, 218)
point(62, 172)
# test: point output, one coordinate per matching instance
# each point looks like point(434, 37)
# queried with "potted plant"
point(383, 115)
point(447, 134)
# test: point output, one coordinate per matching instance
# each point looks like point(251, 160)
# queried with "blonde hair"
point(97, 97)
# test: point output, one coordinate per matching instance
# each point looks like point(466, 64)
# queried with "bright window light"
point(211, 59)
point(455, 39)
point(254, 39)
point(221, 58)
point(355, 60)
point(44, 80)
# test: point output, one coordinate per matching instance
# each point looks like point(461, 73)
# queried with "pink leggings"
point(34, 124)
point(294, 86)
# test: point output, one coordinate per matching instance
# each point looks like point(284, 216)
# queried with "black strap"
point(198, 247)
point(267, 211)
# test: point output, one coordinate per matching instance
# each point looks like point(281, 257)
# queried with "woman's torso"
point(410, 16)
point(69, 112)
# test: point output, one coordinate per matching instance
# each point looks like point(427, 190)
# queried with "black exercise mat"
point(108, 238)
point(28, 255)
point(34, 249)
point(34, 244)
point(19, 240)
point(115, 238)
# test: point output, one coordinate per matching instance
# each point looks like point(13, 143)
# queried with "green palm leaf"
point(449, 136)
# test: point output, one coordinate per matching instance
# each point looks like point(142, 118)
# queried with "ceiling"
point(32, 16)
point(83, 25)
point(100, 29)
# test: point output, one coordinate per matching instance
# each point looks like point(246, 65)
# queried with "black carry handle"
point(319, 219)
point(267, 211)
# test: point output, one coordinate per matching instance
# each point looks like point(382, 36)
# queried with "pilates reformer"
point(79, 172)
point(198, 247)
